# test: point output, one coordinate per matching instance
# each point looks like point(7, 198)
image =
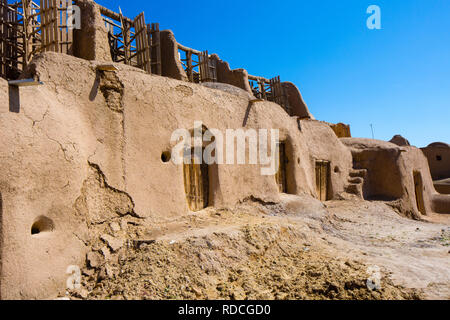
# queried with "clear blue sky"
point(397, 78)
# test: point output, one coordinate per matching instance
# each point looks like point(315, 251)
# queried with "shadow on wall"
point(285, 176)
point(441, 203)
point(384, 179)
point(14, 99)
point(323, 180)
point(418, 189)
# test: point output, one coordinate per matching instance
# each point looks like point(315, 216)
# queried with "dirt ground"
point(298, 249)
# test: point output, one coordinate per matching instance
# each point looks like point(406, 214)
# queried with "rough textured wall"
point(170, 63)
point(324, 145)
point(296, 102)
point(237, 77)
point(91, 41)
point(400, 141)
point(390, 175)
point(40, 178)
point(438, 155)
point(442, 186)
point(84, 150)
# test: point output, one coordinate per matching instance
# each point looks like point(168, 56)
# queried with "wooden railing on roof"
point(199, 69)
point(28, 27)
point(133, 42)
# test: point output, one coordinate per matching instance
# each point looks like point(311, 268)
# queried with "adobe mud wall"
point(442, 186)
point(390, 176)
point(90, 152)
point(91, 41)
point(170, 64)
point(438, 155)
point(237, 77)
point(296, 102)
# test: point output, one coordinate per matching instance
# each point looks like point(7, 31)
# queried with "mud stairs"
point(356, 181)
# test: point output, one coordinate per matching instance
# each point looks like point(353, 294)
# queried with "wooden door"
point(322, 179)
point(196, 184)
point(281, 173)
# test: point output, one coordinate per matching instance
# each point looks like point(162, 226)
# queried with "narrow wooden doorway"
point(196, 183)
point(280, 176)
point(322, 179)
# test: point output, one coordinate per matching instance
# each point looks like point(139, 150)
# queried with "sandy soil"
point(298, 249)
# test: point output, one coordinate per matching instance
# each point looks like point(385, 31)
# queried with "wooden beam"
point(24, 83)
point(113, 15)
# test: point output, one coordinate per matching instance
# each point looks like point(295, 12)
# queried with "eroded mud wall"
point(390, 176)
point(438, 156)
point(89, 147)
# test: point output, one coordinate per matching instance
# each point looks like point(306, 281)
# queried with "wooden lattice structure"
point(27, 28)
point(19, 36)
point(271, 90)
point(260, 87)
point(154, 37)
point(279, 94)
point(142, 44)
point(10, 48)
point(55, 33)
point(208, 68)
point(198, 65)
point(133, 42)
point(121, 36)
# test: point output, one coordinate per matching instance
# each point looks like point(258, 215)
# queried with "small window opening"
point(439, 158)
point(41, 225)
point(166, 156)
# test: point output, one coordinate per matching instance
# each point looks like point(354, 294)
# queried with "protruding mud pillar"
point(237, 77)
point(170, 63)
point(296, 102)
point(91, 41)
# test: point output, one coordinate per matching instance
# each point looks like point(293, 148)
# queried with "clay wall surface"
point(442, 186)
point(237, 77)
point(296, 102)
point(170, 63)
point(390, 175)
point(85, 148)
point(91, 41)
point(438, 156)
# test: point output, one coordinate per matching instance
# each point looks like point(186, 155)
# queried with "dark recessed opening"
point(439, 158)
point(165, 156)
point(41, 225)
point(336, 169)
